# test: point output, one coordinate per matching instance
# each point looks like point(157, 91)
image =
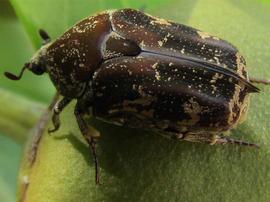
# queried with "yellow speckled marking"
point(159, 21)
point(142, 44)
point(243, 107)
point(205, 35)
point(240, 66)
point(216, 77)
point(193, 109)
point(154, 66)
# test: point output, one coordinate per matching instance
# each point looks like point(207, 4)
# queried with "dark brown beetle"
point(129, 68)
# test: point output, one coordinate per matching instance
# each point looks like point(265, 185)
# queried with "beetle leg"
point(58, 108)
point(227, 140)
point(263, 81)
point(212, 139)
point(90, 136)
point(195, 137)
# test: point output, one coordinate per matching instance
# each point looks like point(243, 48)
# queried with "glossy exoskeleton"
point(129, 68)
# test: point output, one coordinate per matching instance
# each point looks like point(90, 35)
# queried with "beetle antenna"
point(13, 76)
point(45, 36)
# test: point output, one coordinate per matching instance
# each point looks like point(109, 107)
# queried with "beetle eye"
point(37, 69)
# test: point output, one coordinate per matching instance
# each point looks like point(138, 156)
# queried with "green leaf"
point(141, 166)
point(13, 119)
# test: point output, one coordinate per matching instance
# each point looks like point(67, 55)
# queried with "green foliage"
point(141, 166)
point(9, 158)
point(15, 49)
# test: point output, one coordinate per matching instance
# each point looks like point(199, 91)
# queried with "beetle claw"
point(56, 122)
point(52, 130)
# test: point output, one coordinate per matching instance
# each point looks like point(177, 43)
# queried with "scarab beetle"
point(129, 68)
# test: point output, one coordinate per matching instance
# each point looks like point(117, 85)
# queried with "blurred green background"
point(19, 39)
point(15, 49)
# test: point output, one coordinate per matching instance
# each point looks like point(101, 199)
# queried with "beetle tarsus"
point(92, 144)
point(227, 140)
point(90, 137)
point(58, 108)
point(212, 139)
point(56, 122)
point(262, 81)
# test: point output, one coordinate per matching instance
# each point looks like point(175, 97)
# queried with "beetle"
point(129, 68)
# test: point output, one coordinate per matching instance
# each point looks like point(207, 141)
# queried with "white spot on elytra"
point(154, 66)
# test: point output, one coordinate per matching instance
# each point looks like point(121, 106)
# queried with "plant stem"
point(18, 115)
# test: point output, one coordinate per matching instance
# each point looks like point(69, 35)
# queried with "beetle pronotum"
point(129, 68)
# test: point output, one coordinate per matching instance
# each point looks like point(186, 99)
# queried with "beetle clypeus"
point(129, 68)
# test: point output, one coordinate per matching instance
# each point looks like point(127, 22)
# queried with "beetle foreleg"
point(262, 81)
point(90, 136)
point(58, 108)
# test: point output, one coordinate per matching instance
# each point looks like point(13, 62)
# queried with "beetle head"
point(41, 63)
point(37, 64)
